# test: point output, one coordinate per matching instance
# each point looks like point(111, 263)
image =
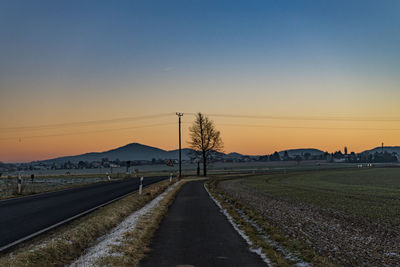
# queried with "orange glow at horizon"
point(245, 136)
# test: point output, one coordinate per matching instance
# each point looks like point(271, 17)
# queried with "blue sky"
point(112, 38)
point(81, 60)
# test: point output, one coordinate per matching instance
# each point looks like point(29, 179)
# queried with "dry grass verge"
point(64, 244)
point(135, 243)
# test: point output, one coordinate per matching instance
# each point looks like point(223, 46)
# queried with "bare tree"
point(205, 139)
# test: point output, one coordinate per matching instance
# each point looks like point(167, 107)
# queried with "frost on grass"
point(258, 251)
point(104, 245)
point(288, 255)
point(346, 240)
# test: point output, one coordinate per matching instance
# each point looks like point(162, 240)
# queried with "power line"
point(116, 120)
point(87, 132)
point(311, 128)
point(305, 118)
point(267, 117)
point(85, 123)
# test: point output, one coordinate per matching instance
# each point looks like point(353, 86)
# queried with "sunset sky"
point(82, 76)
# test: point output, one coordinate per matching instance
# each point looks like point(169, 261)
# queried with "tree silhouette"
point(275, 156)
point(298, 158)
point(286, 156)
point(205, 139)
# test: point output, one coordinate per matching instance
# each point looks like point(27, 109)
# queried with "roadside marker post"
point(19, 183)
point(141, 185)
point(170, 177)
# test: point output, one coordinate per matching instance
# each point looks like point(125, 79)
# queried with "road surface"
point(195, 233)
point(26, 216)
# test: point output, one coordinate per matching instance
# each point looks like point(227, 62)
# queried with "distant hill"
point(133, 151)
point(389, 149)
point(136, 151)
point(233, 155)
point(302, 151)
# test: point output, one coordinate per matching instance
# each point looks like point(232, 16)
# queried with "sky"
point(82, 76)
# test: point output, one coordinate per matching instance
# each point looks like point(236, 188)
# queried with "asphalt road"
point(195, 233)
point(21, 217)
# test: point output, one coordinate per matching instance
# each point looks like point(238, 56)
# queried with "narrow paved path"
point(25, 216)
point(195, 232)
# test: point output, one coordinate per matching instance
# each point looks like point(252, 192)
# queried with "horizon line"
point(282, 150)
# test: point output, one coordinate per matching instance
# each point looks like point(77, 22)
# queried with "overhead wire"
point(304, 118)
point(88, 132)
point(85, 123)
point(161, 115)
point(311, 128)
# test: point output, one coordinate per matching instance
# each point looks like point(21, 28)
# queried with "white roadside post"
point(19, 183)
point(141, 185)
point(170, 177)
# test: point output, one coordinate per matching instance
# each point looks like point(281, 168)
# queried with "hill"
point(389, 149)
point(233, 155)
point(133, 151)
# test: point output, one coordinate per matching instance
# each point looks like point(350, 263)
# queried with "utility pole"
point(180, 148)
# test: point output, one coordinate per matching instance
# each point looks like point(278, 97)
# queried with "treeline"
point(377, 157)
point(373, 158)
point(104, 163)
point(276, 156)
point(336, 156)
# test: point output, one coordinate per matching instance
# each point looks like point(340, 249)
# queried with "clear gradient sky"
point(79, 61)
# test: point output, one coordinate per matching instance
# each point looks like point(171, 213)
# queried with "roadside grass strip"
point(243, 233)
point(135, 241)
point(280, 250)
point(63, 245)
point(107, 244)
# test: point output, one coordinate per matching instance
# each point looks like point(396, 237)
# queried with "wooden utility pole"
point(180, 148)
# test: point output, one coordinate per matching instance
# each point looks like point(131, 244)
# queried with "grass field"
point(372, 194)
point(215, 168)
point(348, 216)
